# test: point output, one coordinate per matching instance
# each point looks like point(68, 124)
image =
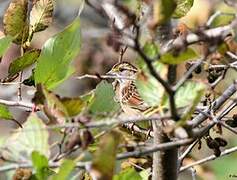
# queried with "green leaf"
point(105, 156)
point(187, 93)
point(148, 87)
point(52, 106)
point(103, 101)
point(15, 21)
point(5, 113)
point(65, 170)
point(226, 15)
point(197, 95)
point(40, 163)
point(41, 15)
point(73, 105)
point(128, 174)
point(23, 62)
point(32, 137)
point(145, 174)
point(4, 44)
point(169, 58)
point(223, 20)
point(163, 10)
point(53, 65)
point(183, 6)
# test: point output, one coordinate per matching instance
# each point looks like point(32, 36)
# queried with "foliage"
point(26, 140)
point(22, 62)
point(65, 170)
point(40, 163)
point(103, 101)
point(183, 7)
point(15, 21)
point(188, 54)
point(5, 113)
point(41, 15)
point(104, 158)
point(4, 44)
point(52, 73)
point(128, 174)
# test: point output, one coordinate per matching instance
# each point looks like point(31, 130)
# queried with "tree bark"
point(165, 163)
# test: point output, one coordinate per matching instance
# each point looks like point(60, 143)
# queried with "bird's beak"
point(111, 73)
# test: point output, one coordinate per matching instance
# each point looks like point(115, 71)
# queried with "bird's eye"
point(121, 70)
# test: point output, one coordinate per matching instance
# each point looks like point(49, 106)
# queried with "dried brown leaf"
point(15, 21)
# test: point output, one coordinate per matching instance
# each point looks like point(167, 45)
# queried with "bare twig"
point(215, 120)
point(122, 52)
point(228, 127)
point(29, 165)
point(10, 83)
point(215, 33)
point(20, 78)
point(216, 105)
point(17, 103)
point(187, 151)
point(213, 17)
point(193, 173)
point(95, 6)
point(105, 123)
point(154, 73)
point(187, 74)
point(103, 77)
point(135, 128)
point(209, 158)
point(232, 55)
point(155, 148)
point(126, 155)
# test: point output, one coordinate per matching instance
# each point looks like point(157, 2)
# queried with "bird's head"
point(124, 69)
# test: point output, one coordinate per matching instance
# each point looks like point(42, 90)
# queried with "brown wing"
point(131, 97)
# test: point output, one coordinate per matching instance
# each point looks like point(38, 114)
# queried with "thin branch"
point(152, 70)
point(135, 128)
point(215, 120)
point(213, 17)
point(215, 106)
point(207, 35)
point(29, 165)
point(20, 77)
point(10, 83)
point(187, 151)
point(209, 158)
point(98, 9)
point(104, 123)
point(228, 127)
point(17, 103)
point(193, 173)
point(187, 74)
point(126, 155)
point(155, 148)
point(122, 52)
point(230, 3)
point(103, 77)
point(232, 55)
point(154, 73)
